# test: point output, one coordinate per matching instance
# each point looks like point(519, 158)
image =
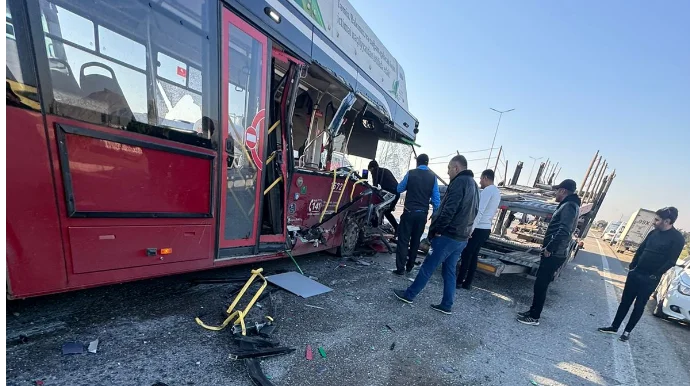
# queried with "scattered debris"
point(322, 352)
point(198, 363)
point(359, 262)
point(308, 354)
point(410, 279)
point(256, 374)
point(93, 346)
point(322, 370)
point(535, 383)
point(38, 383)
point(393, 346)
point(448, 369)
point(309, 305)
point(390, 328)
point(298, 284)
point(260, 352)
point(17, 314)
point(72, 348)
point(23, 339)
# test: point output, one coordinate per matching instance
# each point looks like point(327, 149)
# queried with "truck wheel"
point(351, 233)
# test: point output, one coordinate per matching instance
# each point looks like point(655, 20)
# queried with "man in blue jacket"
point(449, 231)
point(422, 187)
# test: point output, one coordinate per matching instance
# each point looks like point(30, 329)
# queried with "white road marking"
point(623, 364)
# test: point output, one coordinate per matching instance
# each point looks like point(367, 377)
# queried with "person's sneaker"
point(399, 272)
point(525, 314)
point(528, 320)
point(608, 330)
point(625, 337)
point(400, 294)
point(437, 307)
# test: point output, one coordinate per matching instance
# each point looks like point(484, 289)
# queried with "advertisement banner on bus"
point(338, 20)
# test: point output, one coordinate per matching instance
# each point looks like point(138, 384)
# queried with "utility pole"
point(533, 164)
point(516, 174)
point(500, 115)
point(498, 158)
point(589, 169)
point(594, 176)
point(505, 177)
point(552, 174)
point(592, 195)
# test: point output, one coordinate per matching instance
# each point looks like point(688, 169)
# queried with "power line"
point(462, 152)
point(469, 160)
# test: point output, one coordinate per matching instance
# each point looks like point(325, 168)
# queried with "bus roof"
point(333, 35)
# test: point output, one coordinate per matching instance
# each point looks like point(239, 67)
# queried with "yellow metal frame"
point(352, 195)
point(237, 316)
point(337, 205)
point(330, 194)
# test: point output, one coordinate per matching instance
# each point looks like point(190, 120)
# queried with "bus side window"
point(143, 73)
point(20, 78)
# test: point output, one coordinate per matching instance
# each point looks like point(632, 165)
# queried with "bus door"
point(245, 63)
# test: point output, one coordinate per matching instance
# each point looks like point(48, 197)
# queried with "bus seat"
point(63, 79)
point(106, 90)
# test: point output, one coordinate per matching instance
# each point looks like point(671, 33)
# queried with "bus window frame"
point(208, 93)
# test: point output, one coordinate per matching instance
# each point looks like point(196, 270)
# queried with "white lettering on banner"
point(345, 27)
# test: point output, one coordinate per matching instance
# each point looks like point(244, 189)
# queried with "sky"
point(583, 77)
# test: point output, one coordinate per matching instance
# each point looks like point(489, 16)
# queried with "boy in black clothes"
point(658, 252)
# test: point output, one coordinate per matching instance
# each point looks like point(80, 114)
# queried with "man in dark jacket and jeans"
point(555, 248)
point(449, 231)
point(657, 254)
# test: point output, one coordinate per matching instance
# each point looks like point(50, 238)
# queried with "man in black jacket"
point(449, 231)
point(658, 252)
point(384, 178)
point(555, 248)
point(422, 188)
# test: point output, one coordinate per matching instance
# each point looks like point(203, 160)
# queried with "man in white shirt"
point(489, 199)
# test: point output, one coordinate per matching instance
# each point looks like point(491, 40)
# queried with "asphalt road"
point(147, 332)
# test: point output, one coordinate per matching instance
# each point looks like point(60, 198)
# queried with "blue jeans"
point(446, 251)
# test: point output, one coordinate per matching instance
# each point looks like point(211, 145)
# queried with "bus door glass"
point(244, 69)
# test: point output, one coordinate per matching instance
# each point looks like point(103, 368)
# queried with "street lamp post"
point(533, 163)
point(500, 115)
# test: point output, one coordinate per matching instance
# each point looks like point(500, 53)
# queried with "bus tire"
point(351, 237)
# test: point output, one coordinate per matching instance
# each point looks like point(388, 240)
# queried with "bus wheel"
point(350, 239)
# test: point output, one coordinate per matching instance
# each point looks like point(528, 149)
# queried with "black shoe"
point(525, 313)
point(400, 294)
point(437, 307)
point(466, 286)
point(409, 268)
point(528, 320)
point(399, 272)
point(625, 337)
point(608, 330)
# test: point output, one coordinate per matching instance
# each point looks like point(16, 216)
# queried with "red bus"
point(154, 137)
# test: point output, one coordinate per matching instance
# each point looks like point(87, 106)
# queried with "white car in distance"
point(673, 293)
